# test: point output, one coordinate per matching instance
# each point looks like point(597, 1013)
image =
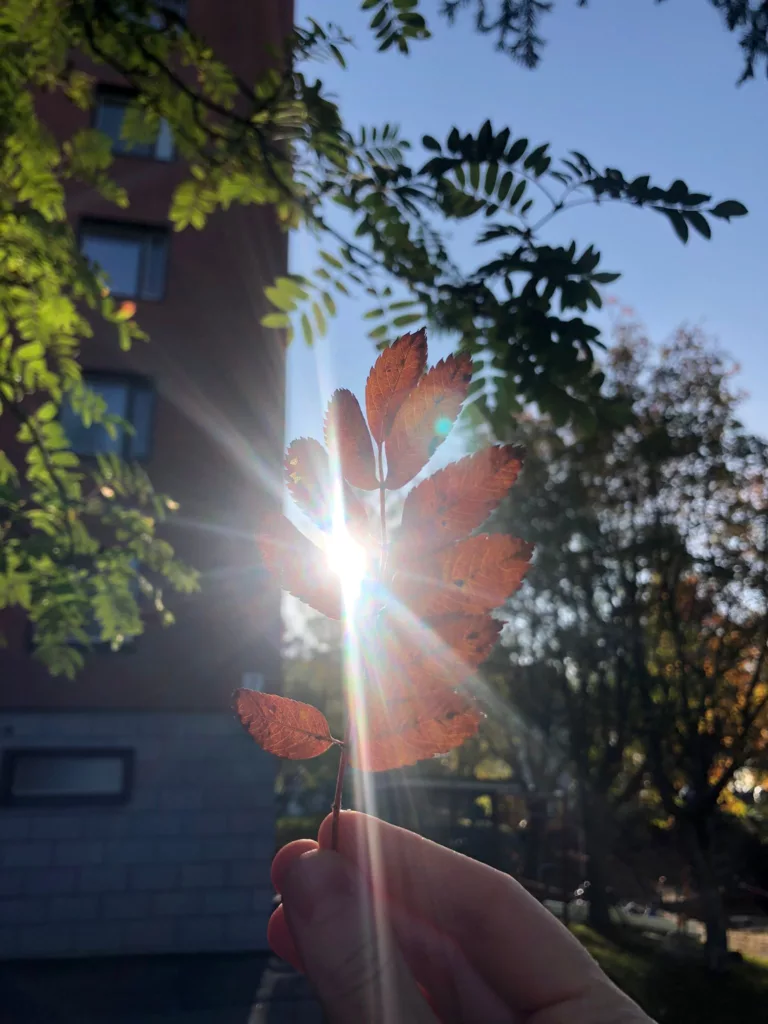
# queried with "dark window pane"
point(95, 440)
point(132, 258)
point(141, 419)
point(47, 775)
point(155, 258)
point(164, 148)
point(130, 399)
point(110, 113)
point(119, 258)
point(109, 119)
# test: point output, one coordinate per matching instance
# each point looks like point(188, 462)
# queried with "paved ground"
point(232, 989)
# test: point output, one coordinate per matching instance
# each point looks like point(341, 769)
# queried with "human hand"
point(394, 929)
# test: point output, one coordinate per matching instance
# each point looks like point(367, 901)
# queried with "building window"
point(130, 398)
point(133, 258)
point(176, 8)
point(110, 111)
point(70, 777)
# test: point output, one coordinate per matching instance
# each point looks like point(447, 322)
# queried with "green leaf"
point(330, 260)
point(699, 222)
point(518, 192)
point(319, 315)
point(280, 298)
point(407, 320)
point(306, 329)
point(678, 222)
point(516, 150)
point(277, 320)
point(428, 142)
point(729, 208)
point(490, 178)
point(507, 179)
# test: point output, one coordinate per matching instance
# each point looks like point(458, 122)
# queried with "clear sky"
point(644, 87)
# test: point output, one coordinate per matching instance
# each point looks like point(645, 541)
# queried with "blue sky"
point(644, 87)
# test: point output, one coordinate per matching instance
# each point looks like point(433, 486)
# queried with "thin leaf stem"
point(336, 808)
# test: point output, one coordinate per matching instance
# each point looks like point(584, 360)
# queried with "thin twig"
point(336, 808)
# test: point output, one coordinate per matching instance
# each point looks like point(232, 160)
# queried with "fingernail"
point(316, 878)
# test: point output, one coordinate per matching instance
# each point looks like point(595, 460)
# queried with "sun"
point(349, 560)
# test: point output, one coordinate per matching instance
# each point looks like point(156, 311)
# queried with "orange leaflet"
point(125, 311)
point(395, 373)
point(456, 500)
point(347, 437)
point(470, 637)
point(281, 726)
point(441, 653)
point(310, 481)
point(425, 418)
point(402, 731)
point(299, 566)
point(470, 577)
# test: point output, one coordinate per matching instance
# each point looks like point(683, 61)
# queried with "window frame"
point(134, 382)
point(124, 95)
point(11, 756)
point(126, 230)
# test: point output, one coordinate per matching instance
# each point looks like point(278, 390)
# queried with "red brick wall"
point(218, 428)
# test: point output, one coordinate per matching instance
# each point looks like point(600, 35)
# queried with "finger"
point(522, 951)
point(281, 941)
point(347, 946)
point(454, 989)
point(457, 993)
point(285, 856)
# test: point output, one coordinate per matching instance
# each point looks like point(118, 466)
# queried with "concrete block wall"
point(183, 866)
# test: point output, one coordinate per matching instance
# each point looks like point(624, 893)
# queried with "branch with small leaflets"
point(423, 622)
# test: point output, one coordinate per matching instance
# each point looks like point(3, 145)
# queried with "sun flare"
point(349, 560)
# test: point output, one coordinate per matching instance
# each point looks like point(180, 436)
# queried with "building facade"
point(135, 814)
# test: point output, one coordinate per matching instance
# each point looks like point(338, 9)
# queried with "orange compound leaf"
point(347, 437)
point(284, 727)
point(426, 417)
point(299, 566)
point(471, 577)
point(395, 373)
point(456, 500)
point(441, 654)
point(310, 482)
point(401, 731)
point(470, 637)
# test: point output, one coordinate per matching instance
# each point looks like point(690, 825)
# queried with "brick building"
point(135, 815)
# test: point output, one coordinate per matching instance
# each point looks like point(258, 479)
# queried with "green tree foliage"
point(79, 543)
point(646, 612)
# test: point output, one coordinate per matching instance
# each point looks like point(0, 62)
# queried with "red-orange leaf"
point(347, 437)
point(441, 654)
point(470, 637)
point(402, 731)
point(395, 373)
point(299, 566)
point(471, 577)
point(425, 418)
point(456, 500)
point(284, 727)
point(310, 482)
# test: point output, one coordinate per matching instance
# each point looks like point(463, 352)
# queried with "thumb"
point(346, 944)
